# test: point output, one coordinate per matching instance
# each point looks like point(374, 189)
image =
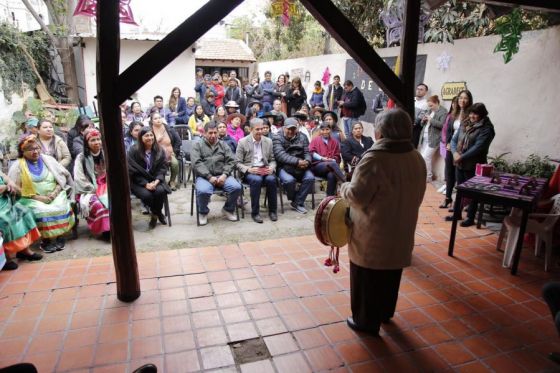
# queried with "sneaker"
point(173, 186)
point(60, 242)
point(298, 208)
point(203, 219)
point(49, 248)
point(229, 215)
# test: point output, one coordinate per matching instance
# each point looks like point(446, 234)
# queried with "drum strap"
point(332, 260)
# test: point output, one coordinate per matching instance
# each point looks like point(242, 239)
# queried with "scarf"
point(318, 90)
point(27, 188)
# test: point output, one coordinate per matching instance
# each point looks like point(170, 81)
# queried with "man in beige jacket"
point(384, 196)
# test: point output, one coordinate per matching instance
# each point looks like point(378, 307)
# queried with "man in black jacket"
point(352, 105)
point(291, 151)
point(334, 94)
point(233, 93)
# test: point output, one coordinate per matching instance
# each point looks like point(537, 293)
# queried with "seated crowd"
point(261, 135)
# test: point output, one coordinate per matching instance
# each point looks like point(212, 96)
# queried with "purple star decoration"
point(88, 8)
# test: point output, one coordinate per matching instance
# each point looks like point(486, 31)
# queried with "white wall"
point(178, 73)
point(521, 96)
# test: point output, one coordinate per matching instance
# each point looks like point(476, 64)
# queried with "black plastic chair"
point(245, 185)
point(193, 198)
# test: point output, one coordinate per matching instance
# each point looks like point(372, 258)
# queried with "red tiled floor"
point(465, 313)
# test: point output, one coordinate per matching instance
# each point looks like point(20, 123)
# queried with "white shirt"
point(257, 153)
point(421, 104)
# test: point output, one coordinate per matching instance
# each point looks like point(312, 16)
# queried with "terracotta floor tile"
point(224, 287)
point(13, 347)
point(367, 367)
point(327, 316)
point(175, 307)
point(314, 303)
point(87, 304)
point(113, 368)
point(145, 311)
point(281, 344)
point(248, 284)
point(457, 328)
point(114, 332)
point(80, 338)
point(480, 346)
point(262, 310)
point(415, 317)
point(408, 340)
point(202, 304)
point(454, 353)
point(186, 361)
point(323, 358)
point(291, 363)
point(503, 340)
point(243, 273)
point(172, 324)
point(255, 296)
point(146, 328)
point(338, 332)
point(145, 347)
point(298, 321)
point(115, 315)
point(18, 329)
point(277, 294)
point(27, 312)
point(84, 319)
point(107, 353)
point(262, 366)
point(211, 336)
point(206, 318)
point(433, 334)
point(198, 291)
point(272, 281)
point(170, 282)
point(219, 276)
point(241, 331)
point(502, 363)
point(81, 357)
point(288, 306)
point(295, 277)
point(271, 326)
point(310, 338)
point(235, 314)
point(178, 342)
point(229, 300)
point(532, 361)
point(52, 324)
point(216, 357)
point(381, 347)
point(172, 294)
point(353, 352)
point(59, 308)
point(474, 367)
point(46, 343)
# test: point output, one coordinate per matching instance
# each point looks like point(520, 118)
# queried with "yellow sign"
point(277, 8)
point(452, 89)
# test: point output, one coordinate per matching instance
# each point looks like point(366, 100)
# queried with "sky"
point(169, 13)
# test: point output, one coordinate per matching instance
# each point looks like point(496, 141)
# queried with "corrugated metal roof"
point(224, 49)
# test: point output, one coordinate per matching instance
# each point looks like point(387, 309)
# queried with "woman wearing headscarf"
point(17, 226)
point(44, 183)
point(147, 167)
point(90, 184)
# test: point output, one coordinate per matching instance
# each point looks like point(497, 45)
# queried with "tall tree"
point(59, 32)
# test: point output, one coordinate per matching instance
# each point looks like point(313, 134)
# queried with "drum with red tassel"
point(330, 227)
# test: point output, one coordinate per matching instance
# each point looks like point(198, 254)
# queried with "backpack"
point(362, 106)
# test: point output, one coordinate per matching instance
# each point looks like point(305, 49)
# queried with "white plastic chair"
point(543, 231)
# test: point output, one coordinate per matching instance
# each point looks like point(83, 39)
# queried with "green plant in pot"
point(534, 165)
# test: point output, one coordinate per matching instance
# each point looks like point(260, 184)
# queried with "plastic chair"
point(543, 231)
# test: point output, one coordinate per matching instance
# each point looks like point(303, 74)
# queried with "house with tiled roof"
point(224, 55)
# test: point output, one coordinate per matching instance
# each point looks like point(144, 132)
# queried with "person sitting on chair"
point(255, 161)
point(355, 146)
point(213, 164)
point(291, 151)
point(325, 152)
point(225, 137)
point(147, 167)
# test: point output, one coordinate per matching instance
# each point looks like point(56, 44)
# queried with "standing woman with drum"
point(384, 198)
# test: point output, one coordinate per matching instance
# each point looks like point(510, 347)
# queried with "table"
point(481, 189)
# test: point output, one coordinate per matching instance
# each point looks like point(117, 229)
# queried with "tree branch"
point(41, 23)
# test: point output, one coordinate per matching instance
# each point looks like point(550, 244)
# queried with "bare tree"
point(60, 35)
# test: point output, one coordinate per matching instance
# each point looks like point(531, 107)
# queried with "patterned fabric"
point(17, 225)
point(53, 219)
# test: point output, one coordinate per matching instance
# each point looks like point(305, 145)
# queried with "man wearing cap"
point(214, 164)
point(233, 92)
point(291, 151)
point(255, 162)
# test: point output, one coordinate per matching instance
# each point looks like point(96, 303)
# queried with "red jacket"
point(329, 150)
point(220, 93)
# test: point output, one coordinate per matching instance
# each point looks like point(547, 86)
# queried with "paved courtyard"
point(198, 304)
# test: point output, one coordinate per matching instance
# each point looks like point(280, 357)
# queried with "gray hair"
point(394, 124)
point(255, 121)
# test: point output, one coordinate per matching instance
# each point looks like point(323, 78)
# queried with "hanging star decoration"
point(326, 76)
point(88, 8)
point(285, 9)
point(443, 61)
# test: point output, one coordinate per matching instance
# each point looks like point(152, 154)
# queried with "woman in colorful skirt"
point(43, 183)
point(91, 186)
point(17, 226)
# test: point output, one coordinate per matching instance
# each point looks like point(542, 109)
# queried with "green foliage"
point(534, 165)
point(509, 27)
point(15, 71)
point(364, 15)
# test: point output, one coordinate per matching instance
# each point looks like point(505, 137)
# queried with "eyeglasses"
point(34, 149)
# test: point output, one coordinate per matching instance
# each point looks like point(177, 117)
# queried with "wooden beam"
point(170, 47)
point(357, 47)
point(409, 47)
point(108, 55)
point(541, 5)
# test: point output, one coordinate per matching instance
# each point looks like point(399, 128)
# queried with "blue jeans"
point(204, 191)
point(289, 183)
point(348, 125)
point(255, 183)
point(267, 106)
point(328, 169)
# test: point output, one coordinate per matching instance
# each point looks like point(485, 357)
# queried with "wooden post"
point(108, 55)
point(409, 48)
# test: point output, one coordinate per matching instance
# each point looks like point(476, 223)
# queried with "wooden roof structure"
point(114, 88)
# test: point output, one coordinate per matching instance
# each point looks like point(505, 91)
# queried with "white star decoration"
point(443, 61)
